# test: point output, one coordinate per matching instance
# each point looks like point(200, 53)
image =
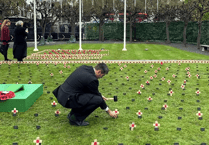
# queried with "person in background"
point(5, 38)
point(20, 45)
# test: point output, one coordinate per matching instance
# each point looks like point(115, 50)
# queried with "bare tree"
point(202, 9)
point(132, 10)
point(71, 13)
point(10, 8)
point(55, 15)
point(45, 9)
point(184, 13)
point(99, 9)
point(168, 14)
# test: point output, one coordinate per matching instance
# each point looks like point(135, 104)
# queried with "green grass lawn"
point(58, 131)
point(134, 51)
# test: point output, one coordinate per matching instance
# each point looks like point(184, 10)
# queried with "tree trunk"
point(3, 15)
point(50, 31)
point(43, 29)
point(135, 31)
point(100, 30)
point(184, 33)
point(131, 30)
point(199, 35)
point(73, 28)
point(102, 34)
point(167, 32)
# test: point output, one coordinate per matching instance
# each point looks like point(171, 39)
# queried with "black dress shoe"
point(69, 115)
point(79, 123)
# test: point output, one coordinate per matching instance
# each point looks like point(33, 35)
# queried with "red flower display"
point(4, 95)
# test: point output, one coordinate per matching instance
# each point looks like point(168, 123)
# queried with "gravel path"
point(189, 47)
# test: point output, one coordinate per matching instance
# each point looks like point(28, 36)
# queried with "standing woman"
point(20, 45)
point(5, 38)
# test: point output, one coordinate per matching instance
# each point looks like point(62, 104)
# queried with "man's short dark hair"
point(103, 67)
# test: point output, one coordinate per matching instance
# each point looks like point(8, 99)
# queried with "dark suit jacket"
point(80, 86)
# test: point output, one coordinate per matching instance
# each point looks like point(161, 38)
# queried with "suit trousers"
point(85, 110)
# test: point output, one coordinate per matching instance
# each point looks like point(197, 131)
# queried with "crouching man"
point(80, 93)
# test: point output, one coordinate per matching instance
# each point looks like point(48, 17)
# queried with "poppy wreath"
point(6, 96)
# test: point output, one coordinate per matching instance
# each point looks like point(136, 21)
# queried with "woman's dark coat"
point(20, 45)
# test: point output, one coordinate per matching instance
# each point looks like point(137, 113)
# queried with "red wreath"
point(7, 95)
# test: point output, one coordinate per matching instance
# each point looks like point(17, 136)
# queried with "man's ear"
point(99, 71)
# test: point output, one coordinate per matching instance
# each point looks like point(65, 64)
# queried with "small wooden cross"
point(199, 114)
point(57, 112)
point(165, 106)
point(171, 92)
point(182, 86)
point(142, 86)
point(37, 141)
point(169, 82)
point(132, 126)
point(197, 92)
point(95, 142)
point(116, 111)
point(156, 124)
point(54, 103)
point(139, 92)
point(139, 113)
point(14, 111)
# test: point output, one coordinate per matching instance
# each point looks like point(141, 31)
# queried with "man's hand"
point(112, 113)
point(104, 98)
